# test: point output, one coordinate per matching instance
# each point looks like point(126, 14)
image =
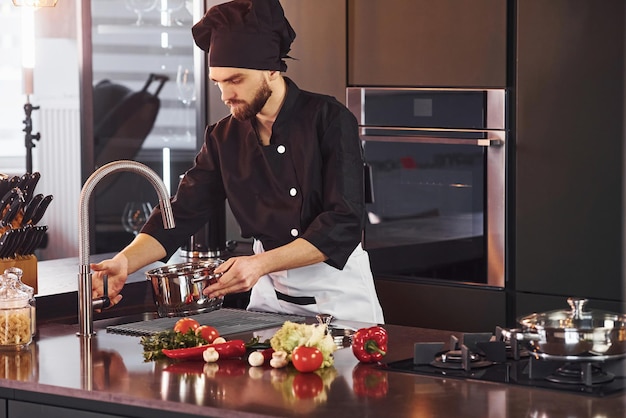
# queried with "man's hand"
point(117, 271)
point(142, 251)
point(239, 274)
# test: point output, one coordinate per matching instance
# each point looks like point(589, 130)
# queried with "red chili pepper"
point(229, 349)
point(190, 353)
point(369, 382)
point(369, 345)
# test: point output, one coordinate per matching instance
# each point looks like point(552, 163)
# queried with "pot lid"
point(578, 317)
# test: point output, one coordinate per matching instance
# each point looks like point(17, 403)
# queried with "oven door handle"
point(494, 138)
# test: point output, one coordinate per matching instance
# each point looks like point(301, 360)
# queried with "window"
point(12, 98)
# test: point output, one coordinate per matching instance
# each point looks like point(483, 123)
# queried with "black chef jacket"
point(308, 183)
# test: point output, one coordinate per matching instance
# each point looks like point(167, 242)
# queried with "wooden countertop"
point(107, 374)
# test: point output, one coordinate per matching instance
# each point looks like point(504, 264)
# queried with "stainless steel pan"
point(177, 288)
point(574, 332)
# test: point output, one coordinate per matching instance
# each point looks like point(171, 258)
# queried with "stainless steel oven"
point(437, 165)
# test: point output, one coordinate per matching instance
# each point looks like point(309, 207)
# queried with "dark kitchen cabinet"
point(569, 149)
point(456, 43)
point(319, 50)
point(441, 306)
point(17, 409)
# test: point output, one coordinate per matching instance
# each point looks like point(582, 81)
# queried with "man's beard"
point(246, 111)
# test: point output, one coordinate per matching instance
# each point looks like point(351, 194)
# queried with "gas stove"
point(486, 357)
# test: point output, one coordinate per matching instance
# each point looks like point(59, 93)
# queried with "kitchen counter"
point(53, 378)
point(62, 375)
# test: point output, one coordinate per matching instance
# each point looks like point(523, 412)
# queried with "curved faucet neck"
point(85, 301)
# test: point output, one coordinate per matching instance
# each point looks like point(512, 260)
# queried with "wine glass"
point(140, 7)
point(186, 94)
point(135, 216)
point(167, 8)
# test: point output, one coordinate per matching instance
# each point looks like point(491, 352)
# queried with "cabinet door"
point(455, 43)
point(569, 115)
point(320, 46)
point(18, 409)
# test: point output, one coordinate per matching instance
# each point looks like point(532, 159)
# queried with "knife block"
point(28, 265)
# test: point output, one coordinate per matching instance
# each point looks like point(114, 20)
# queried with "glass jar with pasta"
point(15, 315)
point(16, 273)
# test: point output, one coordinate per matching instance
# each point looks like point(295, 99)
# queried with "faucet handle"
point(103, 302)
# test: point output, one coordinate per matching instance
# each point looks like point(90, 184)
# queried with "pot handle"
point(210, 277)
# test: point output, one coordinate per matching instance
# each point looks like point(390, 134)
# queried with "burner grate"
point(586, 374)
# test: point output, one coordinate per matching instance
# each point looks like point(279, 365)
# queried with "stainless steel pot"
point(177, 288)
point(574, 332)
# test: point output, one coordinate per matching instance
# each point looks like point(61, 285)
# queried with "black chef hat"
point(250, 34)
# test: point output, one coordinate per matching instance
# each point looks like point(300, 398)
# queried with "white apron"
point(347, 294)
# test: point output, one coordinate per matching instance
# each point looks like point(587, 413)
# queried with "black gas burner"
point(580, 374)
point(482, 357)
point(454, 359)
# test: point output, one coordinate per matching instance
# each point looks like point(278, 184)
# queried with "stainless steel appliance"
point(437, 160)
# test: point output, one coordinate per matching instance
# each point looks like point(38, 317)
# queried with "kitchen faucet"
point(86, 304)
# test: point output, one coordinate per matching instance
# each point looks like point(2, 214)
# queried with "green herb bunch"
point(153, 344)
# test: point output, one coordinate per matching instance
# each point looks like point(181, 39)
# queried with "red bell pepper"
point(369, 345)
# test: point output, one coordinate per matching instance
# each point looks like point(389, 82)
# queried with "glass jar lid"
point(11, 296)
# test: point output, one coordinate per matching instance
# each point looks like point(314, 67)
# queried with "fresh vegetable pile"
point(308, 347)
point(189, 340)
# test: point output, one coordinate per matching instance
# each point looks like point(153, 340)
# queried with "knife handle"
point(41, 209)
point(30, 208)
point(9, 214)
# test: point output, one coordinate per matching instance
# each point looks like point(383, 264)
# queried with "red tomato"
point(185, 324)
point(307, 385)
point(306, 359)
point(207, 332)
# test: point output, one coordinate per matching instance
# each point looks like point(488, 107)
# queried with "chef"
point(290, 164)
